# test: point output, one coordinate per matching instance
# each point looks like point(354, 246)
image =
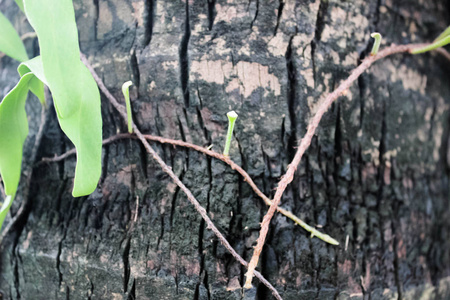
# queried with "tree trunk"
point(376, 176)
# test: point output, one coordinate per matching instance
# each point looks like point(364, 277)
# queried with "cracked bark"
point(184, 58)
point(383, 186)
point(149, 20)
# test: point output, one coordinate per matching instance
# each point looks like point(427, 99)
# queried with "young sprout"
point(126, 94)
point(376, 44)
point(232, 116)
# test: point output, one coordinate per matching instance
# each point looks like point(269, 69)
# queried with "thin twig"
point(444, 53)
point(136, 214)
point(74, 151)
point(168, 170)
point(227, 160)
point(28, 35)
point(306, 141)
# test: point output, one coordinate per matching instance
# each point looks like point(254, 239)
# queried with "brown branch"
point(28, 35)
point(226, 159)
point(168, 170)
point(74, 151)
point(306, 141)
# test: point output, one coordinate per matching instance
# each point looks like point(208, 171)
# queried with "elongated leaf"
point(54, 23)
point(439, 43)
point(10, 42)
point(443, 35)
point(34, 64)
point(13, 132)
point(75, 93)
point(36, 85)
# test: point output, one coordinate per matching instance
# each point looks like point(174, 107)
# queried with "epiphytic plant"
point(304, 143)
point(75, 94)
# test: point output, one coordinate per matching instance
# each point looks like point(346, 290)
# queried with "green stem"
point(439, 43)
point(232, 116)
point(126, 94)
point(376, 44)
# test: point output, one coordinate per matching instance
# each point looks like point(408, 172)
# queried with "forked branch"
point(444, 53)
point(168, 170)
point(232, 164)
point(306, 141)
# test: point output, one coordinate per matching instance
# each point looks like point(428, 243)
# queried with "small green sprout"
point(126, 94)
point(232, 116)
point(376, 44)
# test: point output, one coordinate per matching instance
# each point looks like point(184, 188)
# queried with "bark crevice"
point(149, 20)
point(184, 58)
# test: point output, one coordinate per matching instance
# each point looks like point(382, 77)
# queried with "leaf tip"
point(126, 86)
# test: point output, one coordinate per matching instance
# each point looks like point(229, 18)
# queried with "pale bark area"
point(377, 171)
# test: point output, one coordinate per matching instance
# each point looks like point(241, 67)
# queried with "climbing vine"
point(75, 91)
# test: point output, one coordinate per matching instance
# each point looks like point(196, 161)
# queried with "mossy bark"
point(376, 177)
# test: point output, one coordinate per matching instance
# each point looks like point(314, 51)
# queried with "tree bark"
point(376, 176)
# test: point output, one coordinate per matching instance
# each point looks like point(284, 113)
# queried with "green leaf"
point(444, 34)
point(126, 95)
point(34, 64)
point(439, 43)
point(10, 42)
point(13, 132)
point(36, 85)
point(5, 208)
point(54, 23)
point(75, 93)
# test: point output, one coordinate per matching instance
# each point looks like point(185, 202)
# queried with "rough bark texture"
point(377, 172)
